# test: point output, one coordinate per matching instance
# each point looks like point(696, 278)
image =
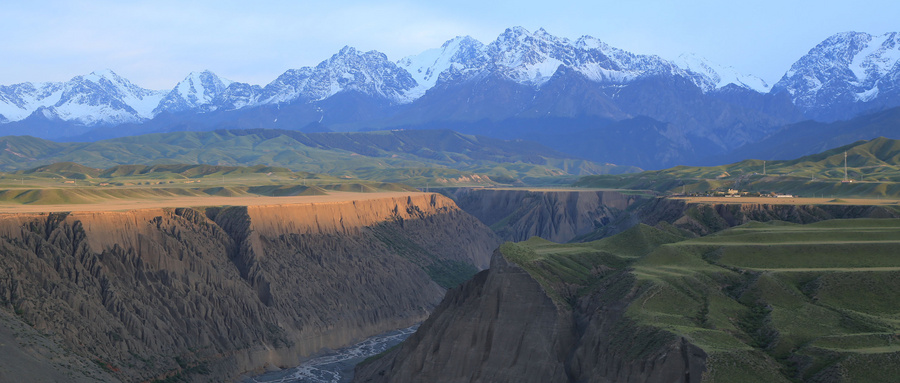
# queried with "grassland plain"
point(71, 186)
point(767, 302)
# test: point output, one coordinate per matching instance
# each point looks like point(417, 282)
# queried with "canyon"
point(208, 293)
point(558, 215)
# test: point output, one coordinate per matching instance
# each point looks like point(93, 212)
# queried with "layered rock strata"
point(210, 293)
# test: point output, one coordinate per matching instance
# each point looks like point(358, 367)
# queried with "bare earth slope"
point(208, 293)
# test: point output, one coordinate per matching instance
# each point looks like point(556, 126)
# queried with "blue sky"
point(157, 43)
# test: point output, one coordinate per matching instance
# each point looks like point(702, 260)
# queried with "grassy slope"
point(767, 302)
point(873, 165)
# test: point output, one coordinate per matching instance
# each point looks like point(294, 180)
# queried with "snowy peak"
point(529, 58)
point(619, 66)
point(202, 87)
point(197, 91)
point(457, 54)
point(539, 54)
point(846, 68)
point(711, 76)
point(369, 73)
point(104, 97)
point(238, 95)
point(878, 58)
point(287, 87)
point(99, 76)
point(111, 83)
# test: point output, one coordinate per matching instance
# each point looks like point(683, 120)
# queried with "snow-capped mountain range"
point(99, 97)
point(846, 68)
point(531, 58)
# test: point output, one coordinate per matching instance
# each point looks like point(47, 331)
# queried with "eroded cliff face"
point(586, 215)
point(210, 293)
point(502, 327)
point(558, 216)
point(703, 219)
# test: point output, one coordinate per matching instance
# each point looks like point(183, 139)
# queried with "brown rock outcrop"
point(210, 293)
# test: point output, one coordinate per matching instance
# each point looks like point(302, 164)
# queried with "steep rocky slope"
point(27, 355)
point(558, 216)
point(461, 341)
point(209, 293)
point(512, 324)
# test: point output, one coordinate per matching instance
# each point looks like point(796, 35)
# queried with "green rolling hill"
point(395, 156)
point(873, 166)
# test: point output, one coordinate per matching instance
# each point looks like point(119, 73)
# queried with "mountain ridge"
point(693, 109)
point(523, 56)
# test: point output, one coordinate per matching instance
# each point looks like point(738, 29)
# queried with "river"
point(336, 366)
